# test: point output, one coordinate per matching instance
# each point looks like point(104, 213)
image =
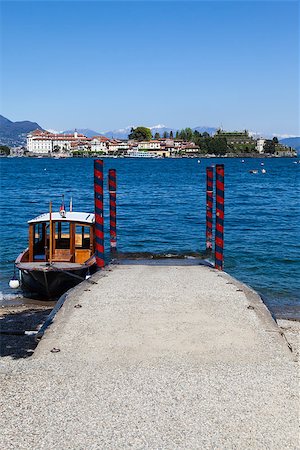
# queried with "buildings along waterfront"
point(45, 143)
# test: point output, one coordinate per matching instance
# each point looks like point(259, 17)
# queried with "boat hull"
point(51, 284)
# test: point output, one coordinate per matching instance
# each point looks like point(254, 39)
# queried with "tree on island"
point(269, 146)
point(218, 146)
point(165, 135)
point(4, 150)
point(157, 136)
point(186, 134)
point(171, 134)
point(56, 149)
point(275, 140)
point(140, 134)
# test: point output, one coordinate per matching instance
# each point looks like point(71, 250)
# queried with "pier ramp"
point(164, 354)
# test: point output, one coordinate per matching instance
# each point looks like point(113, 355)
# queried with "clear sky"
point(107, 65)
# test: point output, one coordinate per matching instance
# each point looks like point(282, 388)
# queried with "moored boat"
point(60, 253)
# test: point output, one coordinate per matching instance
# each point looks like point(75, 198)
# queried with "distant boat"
point(263, 171)
point(253, 171)
point(60, 253)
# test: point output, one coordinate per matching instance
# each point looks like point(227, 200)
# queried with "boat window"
point(39, 241)
point(82, 238)
point(62, 235)
point(38, 232)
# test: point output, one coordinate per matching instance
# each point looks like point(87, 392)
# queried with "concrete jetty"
point(164, 355)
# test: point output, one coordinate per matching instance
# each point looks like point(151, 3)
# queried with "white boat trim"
point(82, 217)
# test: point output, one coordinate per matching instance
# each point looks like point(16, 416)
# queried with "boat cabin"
point(64, 238)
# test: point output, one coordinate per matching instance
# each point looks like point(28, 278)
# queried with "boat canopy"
point(81, 217)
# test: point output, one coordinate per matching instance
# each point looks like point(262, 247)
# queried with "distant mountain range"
point(14, 133)
point(122, 133)
point(86, 131)
point(293, 142)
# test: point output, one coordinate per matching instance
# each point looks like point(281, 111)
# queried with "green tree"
point(189, 134)
point(177, 135)
point(269, 146)
point(186, 134)
point(171, 134)
point(165, 135)
point(140, 134)
point(197, 138)
point(4, 150)
point(56, 149)
point(275, 140)
point(182, 135)
point(157, 136)
point(216, 145)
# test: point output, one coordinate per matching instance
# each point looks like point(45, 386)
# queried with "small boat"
point(253, 171)
point(60, 253)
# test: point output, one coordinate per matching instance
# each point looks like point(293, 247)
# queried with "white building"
point(44, 143)
point(100, 144)
point(149, 145)
point(260, 145)
point(117, 146)
point(122, 146)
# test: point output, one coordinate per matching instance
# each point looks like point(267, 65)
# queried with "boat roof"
point(82, 217)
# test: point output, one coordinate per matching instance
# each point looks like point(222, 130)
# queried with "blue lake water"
point(161, 208)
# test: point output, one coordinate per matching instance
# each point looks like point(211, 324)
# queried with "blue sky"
point(107, 65)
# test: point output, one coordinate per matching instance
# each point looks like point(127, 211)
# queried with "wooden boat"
point(60, 253)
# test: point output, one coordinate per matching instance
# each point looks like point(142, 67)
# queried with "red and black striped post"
point(209, 207)
point(219, 232)
point(99, 213)
point(112, 188)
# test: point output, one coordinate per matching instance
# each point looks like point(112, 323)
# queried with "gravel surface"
point(159, 358)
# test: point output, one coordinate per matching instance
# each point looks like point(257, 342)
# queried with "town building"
point(116, 146)
point(17, 151)
point(154, 144)
point(45, 143)
point(99, 144)
point(235, 137)
point(190, 148)
point(260, 145)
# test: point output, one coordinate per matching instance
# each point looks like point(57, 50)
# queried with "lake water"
point(161, 208)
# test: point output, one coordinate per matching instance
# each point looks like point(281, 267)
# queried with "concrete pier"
point(155, 356)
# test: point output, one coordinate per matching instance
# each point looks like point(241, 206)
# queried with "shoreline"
point(17, 319)
point(207, 156)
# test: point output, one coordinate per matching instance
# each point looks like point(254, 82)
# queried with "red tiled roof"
point(48, 135)
point(101, 138)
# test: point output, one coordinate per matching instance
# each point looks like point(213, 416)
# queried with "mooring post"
point(112, 188)
point(99, 213)
point(209, 207)
point(219, 231)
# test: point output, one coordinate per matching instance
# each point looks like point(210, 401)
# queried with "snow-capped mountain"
point(122, 133)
